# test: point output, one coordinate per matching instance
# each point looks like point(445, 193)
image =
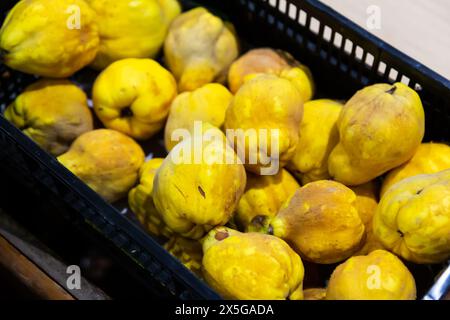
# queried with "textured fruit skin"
point(140, 200)
point(52, 113)
point(366, 203)
point(37, 39)
point(314, 294)
point(264, 196)
point(251, 266)
point(318, 135)
point(207, 103)
point(262, 105)
point(188, 251)
point(131, 28)
point(377, 276)
point(267, 60)
point(199, 49)
point(141, 85)
point(413, 218)
point(321, 222)
point(193, 197)
point(380, 128)
point(429, 158)
point(106, 160)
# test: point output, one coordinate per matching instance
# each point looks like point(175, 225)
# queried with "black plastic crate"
point(342, 57)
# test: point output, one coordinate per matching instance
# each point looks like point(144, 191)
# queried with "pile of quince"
point(346, 183)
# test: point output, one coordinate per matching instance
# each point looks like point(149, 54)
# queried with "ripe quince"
point(429, 158)
point(207, 103)
point(380, 128)
point(131, 28)
point(133, 96)
point(264, 196)
point(199, 49)
point(49, 38)
point(199, 184)
point(265, 116)
point(52, 113)
point(106, 160)
point(413, 218)
point(250, 266)
point(318, 135)
point(378, 276)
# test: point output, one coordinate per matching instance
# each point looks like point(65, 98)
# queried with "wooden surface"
point(29, 274)
point(419, 28)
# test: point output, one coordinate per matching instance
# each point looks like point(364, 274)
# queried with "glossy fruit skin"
point(140, 200)
point(207, 104)
point(380, 128)
point(264, 196)
point(318, 135)
point(133, 96)
point(271, 61)
point(377, 276)
point(131, 28)
point(320, 222)
point(199, 49)
point(52, 113)
point(43, 37)
point(194, 196)
point(267, 111)
point(106, 160)
point(413, 218)
point(249, 266)
point(430, 157)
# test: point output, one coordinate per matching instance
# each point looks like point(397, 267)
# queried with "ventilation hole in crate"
point(270, 19)
point(292, 11)
point(382, 68)
point(282, 6)
point(290, 32)
point(369, 59)
point(337, 41)
point(280, 25)
point(311, 46)
point(333, 60)
point(251, 6)
point(348, 46)
point(359, 52)
point(418, 87)
point(273, 3)
point(327, 33)
point(314, 25)
point(323, 54)
point(299, 38)
point(302, 17)
point(404, 79)
point(393, 74)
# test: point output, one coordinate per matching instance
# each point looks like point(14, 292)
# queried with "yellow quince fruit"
point(140, 200)
point(199, 49)
point(133, 96)
point(318, 135)
point(131, 28)
point(429, 158)
point(52, 113)
point(50, 38)
point(188, 251)
point(106, 160)
point(320, 222)
point(207, 103)
point(264, 196)
point(264, 117)
point(413, 218)
point(199, 184)
point(249, 266)
point(267, 60)
point(380, 128)
point(314, 294)
point(377, 276)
